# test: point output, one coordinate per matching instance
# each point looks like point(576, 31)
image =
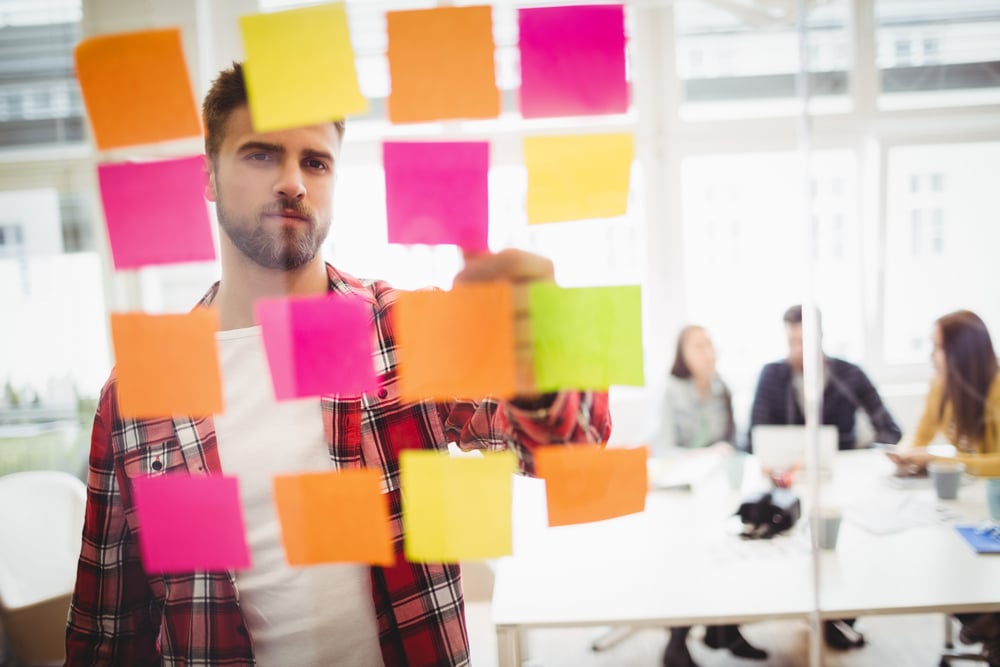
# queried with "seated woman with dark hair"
point(963, 404)
point(697, 412)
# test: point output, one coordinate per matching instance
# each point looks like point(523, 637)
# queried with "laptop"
point(782, 447)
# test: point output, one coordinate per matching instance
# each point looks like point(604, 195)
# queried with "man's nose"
point(290, 183)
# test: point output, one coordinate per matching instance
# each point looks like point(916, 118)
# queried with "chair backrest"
point(41, 522)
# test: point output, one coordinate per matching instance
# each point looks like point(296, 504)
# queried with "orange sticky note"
point(334, 517)
point(167, 364)
point(441, 64)
point(591, 483)
point(136, 88)
point(456, 344)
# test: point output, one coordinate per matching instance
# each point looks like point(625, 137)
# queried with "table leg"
point(509, 650)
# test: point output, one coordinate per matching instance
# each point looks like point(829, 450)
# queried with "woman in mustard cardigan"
point(964, 399)
point(964, 404)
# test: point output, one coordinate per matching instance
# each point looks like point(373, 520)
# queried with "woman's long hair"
point(971, 368)
point(680, 368)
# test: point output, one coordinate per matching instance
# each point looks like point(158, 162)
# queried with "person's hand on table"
point(520, 269)
point(910, 462)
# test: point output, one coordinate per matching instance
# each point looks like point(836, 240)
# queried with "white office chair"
point(41, 521)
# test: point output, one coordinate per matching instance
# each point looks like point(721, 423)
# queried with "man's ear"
point(210, 190)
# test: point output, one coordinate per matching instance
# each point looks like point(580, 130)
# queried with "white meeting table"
point(681, 561)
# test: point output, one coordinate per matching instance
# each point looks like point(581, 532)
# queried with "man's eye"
point(259, 157)
point(316, 164)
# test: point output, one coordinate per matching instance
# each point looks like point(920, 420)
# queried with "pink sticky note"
point(190, 523)
point(318, 346)
point(572, 61)
point(156, 212)
point(436, 192)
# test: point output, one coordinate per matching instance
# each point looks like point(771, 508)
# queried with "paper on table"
point(586, 338)
point(456, 508)
point(591, 483)
point(441, 64)
point(572, 60)
point(136, 88)
point(156, 212)
point(456, 344)
point(281, 90)
point(167, 364)
point(318, 346)
point(333, 517)
point(436, 192)
point(190, 523)
point(576, 177)
point(892, 512)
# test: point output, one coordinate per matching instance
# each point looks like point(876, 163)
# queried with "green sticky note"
point(299, 67)
point(456, 508)
point(586, 338)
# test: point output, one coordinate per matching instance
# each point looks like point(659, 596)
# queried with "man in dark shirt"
point(846, 388)
point(778, 399)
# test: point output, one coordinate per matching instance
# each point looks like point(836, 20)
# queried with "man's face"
point(794, 333)
point(274, 190)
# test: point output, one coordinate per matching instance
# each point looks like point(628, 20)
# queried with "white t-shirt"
point(315, 615)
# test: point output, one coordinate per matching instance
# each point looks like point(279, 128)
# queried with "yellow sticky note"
point(167, 364)
point(299, 67)
point(456, 508)
point(576, 177)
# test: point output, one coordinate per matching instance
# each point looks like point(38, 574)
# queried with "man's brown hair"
point(228, 92)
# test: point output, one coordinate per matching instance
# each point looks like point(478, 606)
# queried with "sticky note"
point(167, 364)
point(156, 212)
point(334, 517)
point(456, 344)
point(190, 523)
point(318, 346)
point(437, 192)
point(456, 508)
point(576, 177)
point(441, 64)
point(591, 483)
point(586, 338)
point(572, 61)
point(136, 88)
point(299, 67)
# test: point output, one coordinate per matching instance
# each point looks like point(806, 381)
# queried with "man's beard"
point(286, 249)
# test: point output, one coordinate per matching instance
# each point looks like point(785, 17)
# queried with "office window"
point(952, 263)
point(747, 56)
point(938, 52)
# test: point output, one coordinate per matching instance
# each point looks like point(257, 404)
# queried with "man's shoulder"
point(844, 368)
point(776, 369)
point(377, 291)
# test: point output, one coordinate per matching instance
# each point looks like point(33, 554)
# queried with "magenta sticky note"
point(572, 61)
point(437, 192)
point(318, 346)
point(190, 523)
point(156, 212)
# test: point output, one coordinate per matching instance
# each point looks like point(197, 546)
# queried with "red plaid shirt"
point(123, 615)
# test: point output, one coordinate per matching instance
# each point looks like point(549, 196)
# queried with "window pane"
point(740, 54)
point(950, 263)
point(938, 52)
